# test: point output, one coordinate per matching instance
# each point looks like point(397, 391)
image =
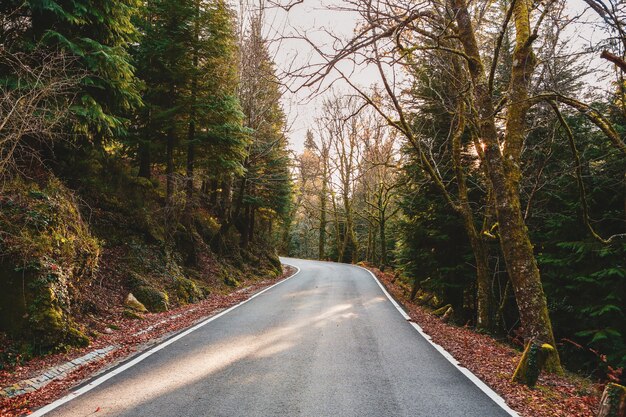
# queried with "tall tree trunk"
point(145, 159)
point(251, 225)
point(245, 227)
point(226, 198)
point(212, 186)
point(484, 308)
point(383, 241)
point(191, 133)
point(190, 159)
point(169, 156)
point(484, 300)
point(338, 240)
point(368, 251)
point(514, 240)
point(322, 232)
point(350, 235)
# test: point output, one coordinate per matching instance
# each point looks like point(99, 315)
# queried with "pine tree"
point(98, 34)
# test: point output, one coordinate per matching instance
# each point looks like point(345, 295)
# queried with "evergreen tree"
point(97, 33)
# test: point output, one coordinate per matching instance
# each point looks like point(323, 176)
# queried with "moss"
point(231, 281)
point(532, 362)
point(135, 280)
point(425, 298)
point(275, 262)
point(142, 182)
point(187, 291)
point(206, 225)
point(133, 304)
point(42, 224)
point(153, 299)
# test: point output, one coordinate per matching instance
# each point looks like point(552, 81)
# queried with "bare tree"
point(35, 102)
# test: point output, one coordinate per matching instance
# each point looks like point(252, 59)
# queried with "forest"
point(143, 148)
point(146, 156)
point(485, 166)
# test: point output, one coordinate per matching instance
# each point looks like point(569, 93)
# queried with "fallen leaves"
point(130, 335)
point(494, 363)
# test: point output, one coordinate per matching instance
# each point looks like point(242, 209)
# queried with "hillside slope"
point(73, 249)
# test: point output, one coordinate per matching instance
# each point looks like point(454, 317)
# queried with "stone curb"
point(52, 373)
point(60, 371)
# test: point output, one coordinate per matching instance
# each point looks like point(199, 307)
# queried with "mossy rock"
point(186, 244)
point(154, 300)
point(231, 281)
point(43, 225)
point(133, 303)
point(52, 330)
point(187, 291)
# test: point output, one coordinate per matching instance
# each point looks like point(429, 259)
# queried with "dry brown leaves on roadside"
point(161, 325)
point(494, 363)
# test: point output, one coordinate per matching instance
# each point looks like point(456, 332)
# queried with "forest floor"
point(494, 363)
point(128, 336)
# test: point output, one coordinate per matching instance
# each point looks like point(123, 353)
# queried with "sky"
point(314, 18)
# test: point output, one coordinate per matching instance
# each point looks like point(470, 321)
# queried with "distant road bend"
point(325, 343)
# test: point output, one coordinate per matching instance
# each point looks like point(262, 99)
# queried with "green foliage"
point(97, 34)
point(160, 87)
point(432, 246)
point(584, 278)
point(42, 224)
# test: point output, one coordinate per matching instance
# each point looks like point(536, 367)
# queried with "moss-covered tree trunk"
point(533, 361)
point(479, 249)
point(613, 401)
point(514, 240)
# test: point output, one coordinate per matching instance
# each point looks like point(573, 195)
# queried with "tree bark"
point(322, 232)
point(145, 160)
point(245, 228)
point(613, 401)
point(514, 240)
point(191, 134)
point(383, 241)
point(251, 224)
point(484, 307)
point(169, 155)
point(190, 159)
point(532, 362)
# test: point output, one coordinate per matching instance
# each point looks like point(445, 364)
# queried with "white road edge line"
point(477, 381)
point(75, 394)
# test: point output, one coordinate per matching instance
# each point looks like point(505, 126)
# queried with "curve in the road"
point(326, 343)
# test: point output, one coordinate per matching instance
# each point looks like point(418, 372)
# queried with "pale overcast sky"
point(314, 17)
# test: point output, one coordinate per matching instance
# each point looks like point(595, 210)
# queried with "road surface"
point(325, 343)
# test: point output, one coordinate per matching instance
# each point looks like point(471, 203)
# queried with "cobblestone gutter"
point(52, 373)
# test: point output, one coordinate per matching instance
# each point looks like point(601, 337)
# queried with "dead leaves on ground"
point(494, 363)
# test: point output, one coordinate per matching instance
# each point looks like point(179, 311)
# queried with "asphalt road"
point(325, 343)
